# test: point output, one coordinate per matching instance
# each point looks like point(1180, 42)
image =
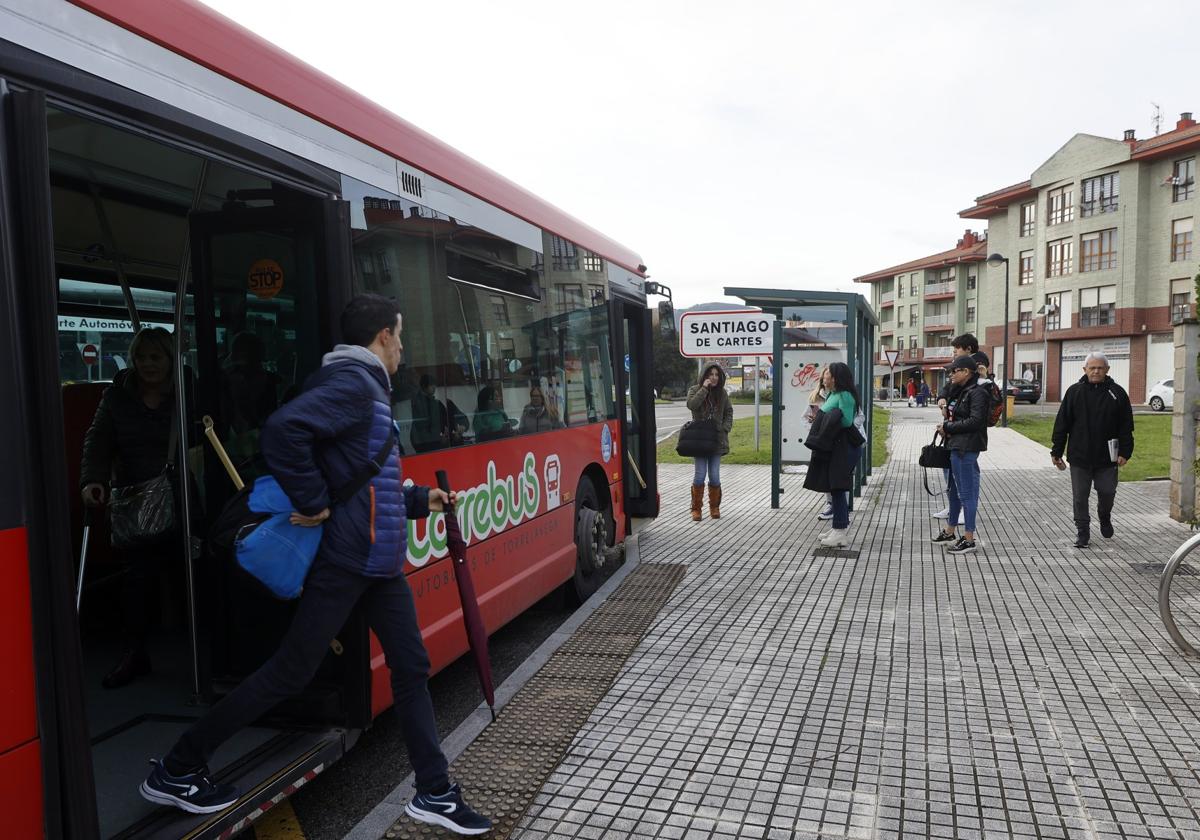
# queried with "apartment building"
point(924, 303)
point(1101, 256)
point(1099, 243)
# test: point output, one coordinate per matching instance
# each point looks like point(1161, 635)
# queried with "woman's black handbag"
point(143, 514)
point(934, 456)
point(699, 439)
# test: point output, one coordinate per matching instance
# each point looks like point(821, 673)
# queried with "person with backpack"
point(965, 433)
point(1094, 426)
point(321, 440)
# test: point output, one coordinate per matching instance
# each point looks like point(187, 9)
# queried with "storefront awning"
point(884, 370)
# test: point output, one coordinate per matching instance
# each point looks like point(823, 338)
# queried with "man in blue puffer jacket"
point(323, 439)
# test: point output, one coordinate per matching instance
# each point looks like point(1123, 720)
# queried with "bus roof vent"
point(410, 184)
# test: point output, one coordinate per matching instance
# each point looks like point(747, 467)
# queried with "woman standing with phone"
point(707, 400)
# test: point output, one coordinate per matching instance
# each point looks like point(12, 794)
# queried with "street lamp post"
point(994, 261)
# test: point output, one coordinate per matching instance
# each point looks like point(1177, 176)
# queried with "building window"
point(1181, 240)
point(1025, 317)
point(1028, 218)
point(1098, 250)
point(570, 297)
point(1181, 299)
point(1099, 195)
point(591, 262)
point(912, 317)
point(1026, 275)
point(971, 282)
point(912, 286)
point(564, 253)
point(500, 311)
point(899, 287)
point(1184, 178)
point(1054, 311)
point(970, 312)
point(1059, 257)
point(1098, 306)
point(1060, 205)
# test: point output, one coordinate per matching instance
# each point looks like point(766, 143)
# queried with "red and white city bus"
point(162, 166)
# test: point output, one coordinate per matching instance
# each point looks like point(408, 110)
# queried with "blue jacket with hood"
point(324, 438)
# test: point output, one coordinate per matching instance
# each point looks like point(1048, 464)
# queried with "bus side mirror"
point(666, 319)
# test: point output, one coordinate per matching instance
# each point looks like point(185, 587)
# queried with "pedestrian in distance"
point(707, 400)
point(923, 395)
point(965, 432)
point(836, 443)
point(321, 440)
point(1094, 426)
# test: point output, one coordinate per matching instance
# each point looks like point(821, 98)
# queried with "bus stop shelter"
point(813, 329)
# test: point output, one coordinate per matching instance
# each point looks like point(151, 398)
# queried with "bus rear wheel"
point(595, 556)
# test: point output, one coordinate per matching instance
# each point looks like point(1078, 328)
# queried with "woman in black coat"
point(965, 432)
point(125, 445)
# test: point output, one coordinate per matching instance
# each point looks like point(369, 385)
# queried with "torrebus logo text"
point(483, 510)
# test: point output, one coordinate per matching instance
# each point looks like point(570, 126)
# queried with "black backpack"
point(996, 406)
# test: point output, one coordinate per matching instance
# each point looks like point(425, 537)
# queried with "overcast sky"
point(782, 144)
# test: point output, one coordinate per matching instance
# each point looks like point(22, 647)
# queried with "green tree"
point(671, 370)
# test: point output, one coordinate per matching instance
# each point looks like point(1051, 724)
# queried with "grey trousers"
point(1082, 479)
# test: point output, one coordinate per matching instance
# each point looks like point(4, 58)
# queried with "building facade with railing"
point(922, 304)
point(1101, 256)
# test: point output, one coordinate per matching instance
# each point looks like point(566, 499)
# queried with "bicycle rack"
point(1164, 594)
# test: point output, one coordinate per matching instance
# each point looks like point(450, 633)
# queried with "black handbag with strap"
point(699, 439)
point(143, 514)
point(934, 455)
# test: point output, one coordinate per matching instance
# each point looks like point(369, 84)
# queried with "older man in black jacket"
point(1095, 427)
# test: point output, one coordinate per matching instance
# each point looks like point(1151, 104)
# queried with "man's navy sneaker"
point(193, 792)
point(447, 810)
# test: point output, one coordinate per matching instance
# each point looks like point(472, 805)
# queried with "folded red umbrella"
point(476, 632)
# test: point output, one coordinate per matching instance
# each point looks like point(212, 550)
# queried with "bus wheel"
point(595, 560)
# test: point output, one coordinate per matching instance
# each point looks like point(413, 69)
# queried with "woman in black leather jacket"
point(965, 433)
point(127, 444)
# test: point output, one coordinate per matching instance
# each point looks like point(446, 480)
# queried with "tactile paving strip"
point(504, 768)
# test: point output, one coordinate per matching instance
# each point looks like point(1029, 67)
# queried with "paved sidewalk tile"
point(1026, 691)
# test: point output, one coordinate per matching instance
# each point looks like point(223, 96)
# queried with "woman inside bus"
point(490, 420)
point(707, 400)
point(127, 444)
point(539, 416)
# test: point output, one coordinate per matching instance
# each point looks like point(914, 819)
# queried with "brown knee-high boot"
point(714, 501)
point(697, 501)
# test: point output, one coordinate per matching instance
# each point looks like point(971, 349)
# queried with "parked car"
point(1023, 391)
point(1162, 395)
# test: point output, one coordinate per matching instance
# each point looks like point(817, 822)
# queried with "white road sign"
point(738, 332)
point(892, 357)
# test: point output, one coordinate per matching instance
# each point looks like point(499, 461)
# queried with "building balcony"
point(939, 323)
point(887, 299)
point(885, 330)
point(938, 291)
point(937, 354)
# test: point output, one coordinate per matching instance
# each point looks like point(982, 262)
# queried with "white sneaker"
point(944, 513)
point(836, 539)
